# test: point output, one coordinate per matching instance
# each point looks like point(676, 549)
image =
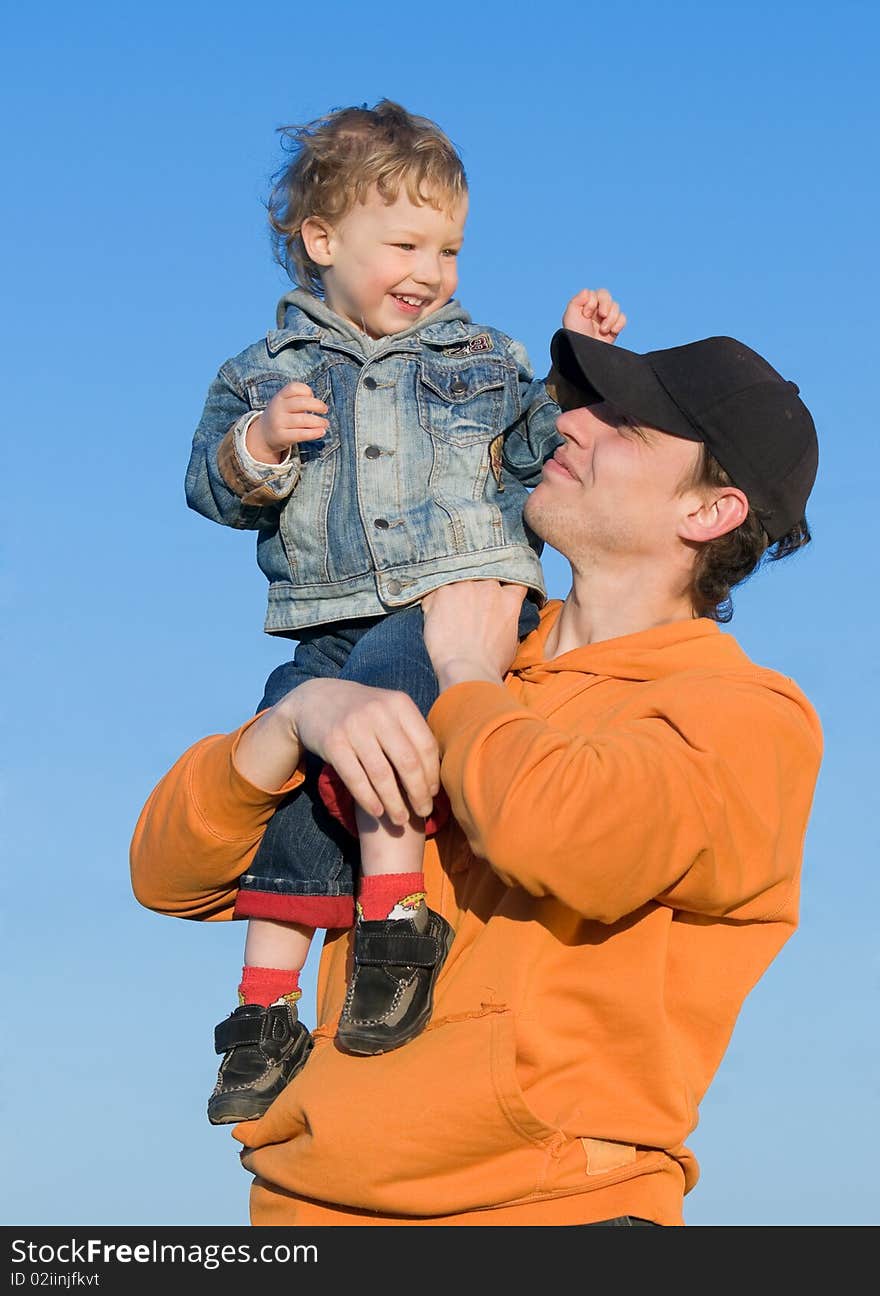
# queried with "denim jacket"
point(434, 435)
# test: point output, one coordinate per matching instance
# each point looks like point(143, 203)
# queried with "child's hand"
point(595, 315)
point(292, 415)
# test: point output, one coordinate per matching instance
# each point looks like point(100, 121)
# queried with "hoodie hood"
point(648, 655)
point(301, 314)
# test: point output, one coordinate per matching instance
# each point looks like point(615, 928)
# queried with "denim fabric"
point(305, 851)
point(434, 435)
point(621, 1221)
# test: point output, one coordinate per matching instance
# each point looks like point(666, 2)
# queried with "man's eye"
point(450, 252)
point(405, 247)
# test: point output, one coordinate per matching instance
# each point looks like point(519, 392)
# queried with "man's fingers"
point(387, 757)
point(363, 767)
point(383, 770)
point(411, 750)
point(351, 771)
point(417, 764)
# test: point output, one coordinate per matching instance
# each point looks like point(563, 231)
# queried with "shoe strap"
point(403, 949)
point(238, 1030)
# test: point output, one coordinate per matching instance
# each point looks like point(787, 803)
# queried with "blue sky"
point(715, 167)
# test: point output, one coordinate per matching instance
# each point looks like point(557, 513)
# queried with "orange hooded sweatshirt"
point(624, 867)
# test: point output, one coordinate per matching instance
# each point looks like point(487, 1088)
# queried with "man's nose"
point(567, 424)
point(579, 425)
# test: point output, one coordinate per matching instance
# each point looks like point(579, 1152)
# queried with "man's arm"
point(201, 826)
point(676, 805)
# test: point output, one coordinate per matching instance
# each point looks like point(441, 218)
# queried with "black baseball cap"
point(720, 392)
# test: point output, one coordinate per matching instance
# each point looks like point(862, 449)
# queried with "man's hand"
point(292, 415)
point(376, 739)
point(595, 314)
point(471, 630)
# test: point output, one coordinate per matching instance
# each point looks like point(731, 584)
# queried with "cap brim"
point(603, 371)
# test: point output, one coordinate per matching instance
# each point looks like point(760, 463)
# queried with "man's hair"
point(337, 159)
point(732, 558)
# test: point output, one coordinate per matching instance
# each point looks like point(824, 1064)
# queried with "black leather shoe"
point(391, 993)
point(264, 1048)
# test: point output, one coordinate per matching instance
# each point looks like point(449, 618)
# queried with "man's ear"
point(317, 237)
point(711, 517)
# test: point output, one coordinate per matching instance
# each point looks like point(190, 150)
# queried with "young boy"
point(381, 444)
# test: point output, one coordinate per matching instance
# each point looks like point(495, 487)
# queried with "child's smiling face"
point(387, 266)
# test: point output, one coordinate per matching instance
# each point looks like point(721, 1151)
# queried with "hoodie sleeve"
point(199, 831)
point(700, 804)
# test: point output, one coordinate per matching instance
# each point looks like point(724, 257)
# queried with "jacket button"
point(458, 388)
point(394, 587)
point(370, 382)
point(381, 523)
point(372, 452)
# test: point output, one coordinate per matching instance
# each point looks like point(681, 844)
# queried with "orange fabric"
point(643, 803)
point(205, 805)
point(655, 1194)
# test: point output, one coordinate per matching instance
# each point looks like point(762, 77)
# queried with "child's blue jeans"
point(305, 865)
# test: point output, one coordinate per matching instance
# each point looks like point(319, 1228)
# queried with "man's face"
point(392, 264)
point(613, 490)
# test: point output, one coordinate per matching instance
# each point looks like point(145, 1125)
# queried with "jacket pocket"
point(462, 404)
point(434, 1128)
point(261, 387)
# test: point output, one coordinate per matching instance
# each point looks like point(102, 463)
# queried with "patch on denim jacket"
point(496, 452)
point(482, 342)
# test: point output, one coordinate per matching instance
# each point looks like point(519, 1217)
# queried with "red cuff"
point(311, 911)
point(340, 803)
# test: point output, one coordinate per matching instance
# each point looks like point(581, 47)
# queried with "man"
point(630, 796)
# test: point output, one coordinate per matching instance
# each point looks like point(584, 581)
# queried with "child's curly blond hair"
point(336, 161)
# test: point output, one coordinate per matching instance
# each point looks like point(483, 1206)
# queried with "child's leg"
point(274, 955)
point(400, 944)
point(301, 878)
point(393, 656)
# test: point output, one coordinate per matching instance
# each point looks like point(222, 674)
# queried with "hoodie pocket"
point(434, 1128)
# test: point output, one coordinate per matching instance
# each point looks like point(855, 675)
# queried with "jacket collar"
point(302, 317)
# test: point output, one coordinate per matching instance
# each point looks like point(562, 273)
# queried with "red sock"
point(264, 985)
point(378, 895)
